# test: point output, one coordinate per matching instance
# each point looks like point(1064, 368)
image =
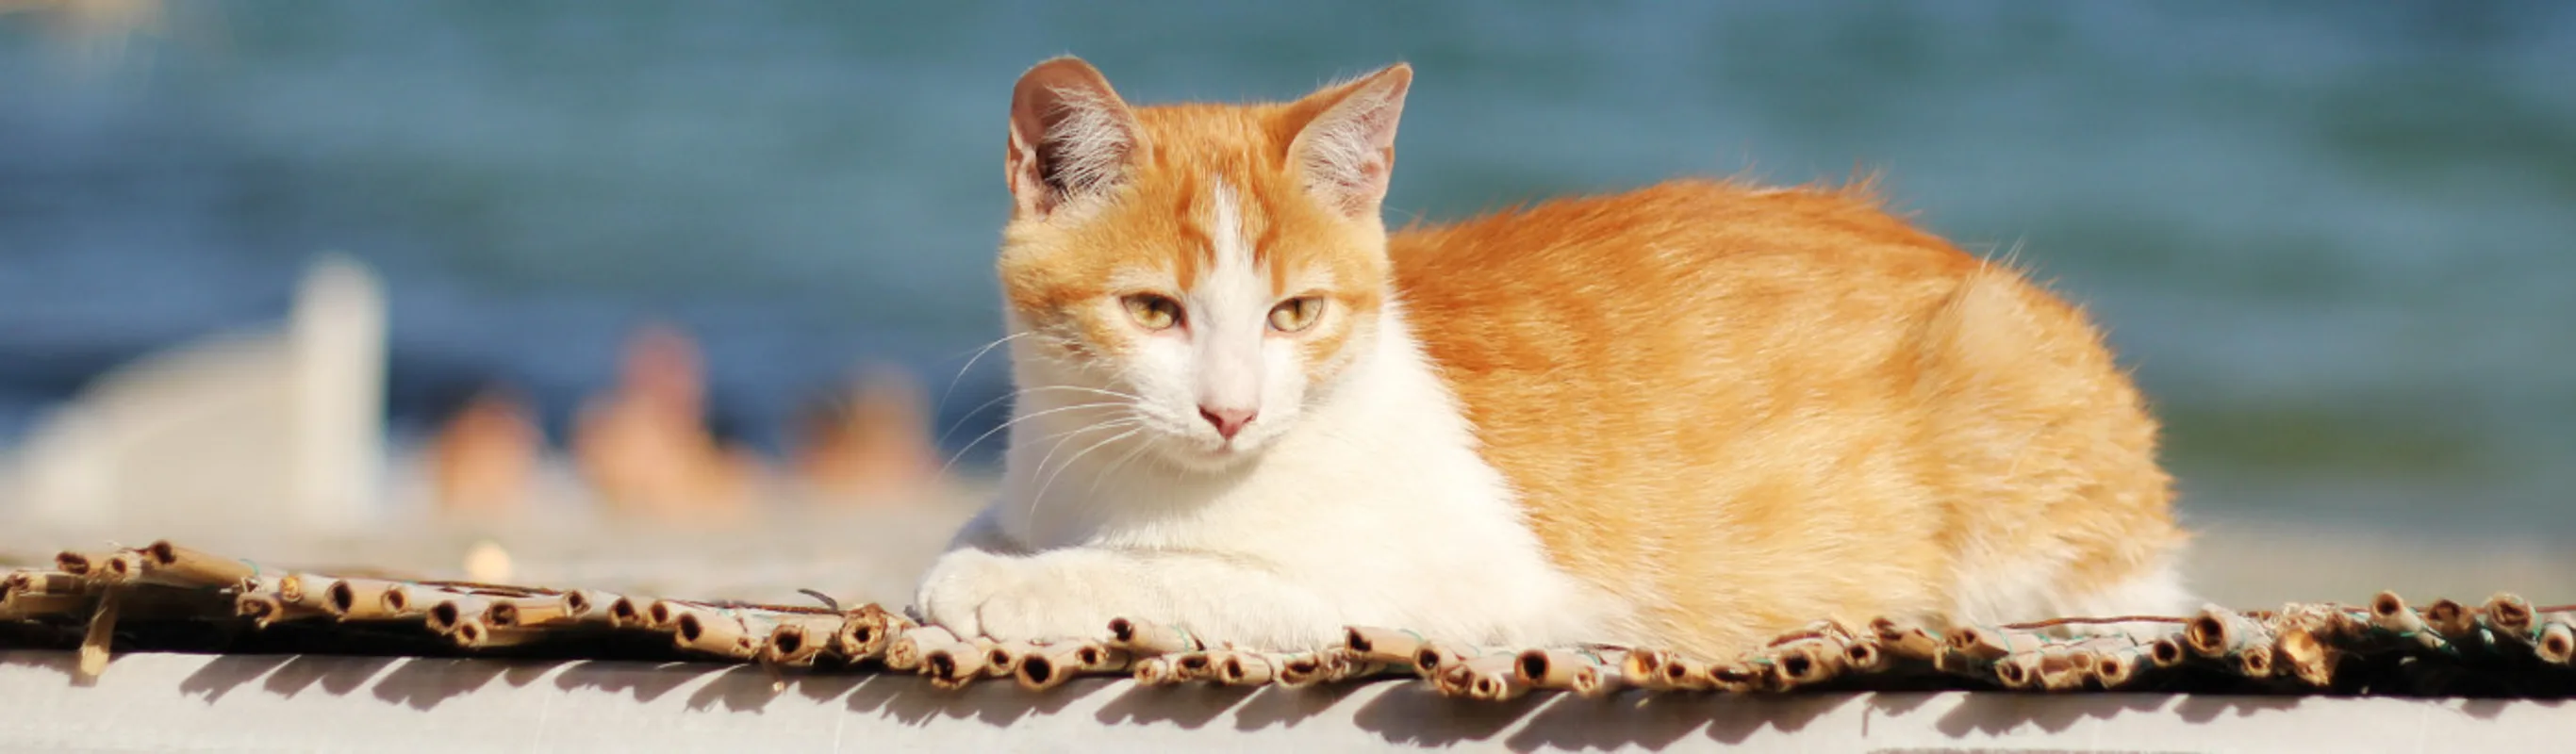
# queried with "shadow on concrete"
point(1403, 711)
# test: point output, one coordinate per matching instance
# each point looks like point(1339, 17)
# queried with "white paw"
point(1003, 597)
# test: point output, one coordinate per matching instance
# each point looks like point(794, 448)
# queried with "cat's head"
point(1201, 272)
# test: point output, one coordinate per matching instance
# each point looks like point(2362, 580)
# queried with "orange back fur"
point(1740, 408)
point(1775, 406)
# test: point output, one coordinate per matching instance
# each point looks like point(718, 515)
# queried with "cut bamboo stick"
point(17, 605)
point(1147, 638)
point(1190, 667)
point(2062, 670)
point(1246, 669)
point(2390, 613)
point(1052, 665)
point(408, 599)
point(623, 612)
point(100, 639)
point(2116, 670)
point(476, 633)
point(122, 566)
point(1550, 668)
point(866, 632)
point(1002, 659)
point(2257, 661)
point(1805, 662)
point(1906, 640)
point(1157, 670)
point(665, 614)
point(304, 590)
point(2510, 620)
point(1384, 645)
point(1305, 668)
point(1096, 658)
point(1739, 677)
point(1644, 669)
point(1432, 658)
point(952, 664)
point(907, 650)
point(2166, 652)
point(265, 609)
point(2456, 624)
point(1484, 678)
point(169, 564)
point(2218, 632)
point(2018, 671)
point(1682, 672)
point(45, 583)
point(38, 594)
point(2557, 645)
point(1865, 655)
point(1988, 644)
point(2310, 660)
point(799, 642)
point(448, 612)
point(587, 604)
point(1332, 665)
point(722, 633)
point(1596, 681)
point(517, 612)
point(88, 565)
point(369, 600)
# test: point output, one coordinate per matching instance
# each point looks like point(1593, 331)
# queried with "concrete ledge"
point(176, 702)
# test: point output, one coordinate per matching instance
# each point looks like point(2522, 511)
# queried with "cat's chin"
point(1209, 459)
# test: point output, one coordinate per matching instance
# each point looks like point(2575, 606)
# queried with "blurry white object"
point(283, 428)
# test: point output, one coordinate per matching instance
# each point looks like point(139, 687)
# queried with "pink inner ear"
point(1070, 134)
point(1350, 148)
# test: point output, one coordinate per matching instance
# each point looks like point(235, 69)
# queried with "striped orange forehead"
point(1165, 222)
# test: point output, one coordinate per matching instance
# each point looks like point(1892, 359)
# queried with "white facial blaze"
point(1231, 300)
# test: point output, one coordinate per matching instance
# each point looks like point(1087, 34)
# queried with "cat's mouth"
point(1211, 455)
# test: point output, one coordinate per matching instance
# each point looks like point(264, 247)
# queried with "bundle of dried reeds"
point(2388, 646)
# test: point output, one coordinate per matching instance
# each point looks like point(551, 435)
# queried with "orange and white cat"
point(1689, 416)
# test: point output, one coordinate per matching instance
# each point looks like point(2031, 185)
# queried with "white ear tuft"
point(1071, 136)
point(1346, 152)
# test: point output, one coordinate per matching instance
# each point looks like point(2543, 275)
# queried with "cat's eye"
point(1296, 314)
point(1153, 312)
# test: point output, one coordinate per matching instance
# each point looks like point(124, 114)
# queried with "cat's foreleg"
point(1074, 592)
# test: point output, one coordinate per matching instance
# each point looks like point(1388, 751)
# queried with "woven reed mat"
point(165, 597)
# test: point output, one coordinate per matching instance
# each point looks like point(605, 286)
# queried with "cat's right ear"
point(1071, 136)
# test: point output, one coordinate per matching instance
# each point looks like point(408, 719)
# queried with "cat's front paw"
point(1003, 597)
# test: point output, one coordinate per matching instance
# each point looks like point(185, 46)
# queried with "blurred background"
point(684, 295)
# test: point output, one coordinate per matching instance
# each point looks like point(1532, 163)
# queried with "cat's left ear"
point(1071, 136)
point(1345, 150)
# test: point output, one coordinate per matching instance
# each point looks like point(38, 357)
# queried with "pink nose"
point(1227, 421)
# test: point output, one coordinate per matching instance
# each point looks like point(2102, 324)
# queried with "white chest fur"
point(1377, 503)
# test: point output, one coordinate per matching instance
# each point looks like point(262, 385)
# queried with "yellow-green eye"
point(1153, 312)
point(1296, 314)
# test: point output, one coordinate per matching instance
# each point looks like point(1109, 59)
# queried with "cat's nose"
point(1227, 421)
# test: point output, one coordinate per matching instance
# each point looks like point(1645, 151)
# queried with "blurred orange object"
point(483, 458)
point(644, 446)
point(872, 446)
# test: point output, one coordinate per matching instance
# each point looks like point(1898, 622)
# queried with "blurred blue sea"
point(2336, 241)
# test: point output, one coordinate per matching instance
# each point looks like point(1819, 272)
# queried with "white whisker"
point(1060, 443)
point(1068, 463)
point(1113, 467)
point(970, 364)
point(970, 444)
point(970, 413)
